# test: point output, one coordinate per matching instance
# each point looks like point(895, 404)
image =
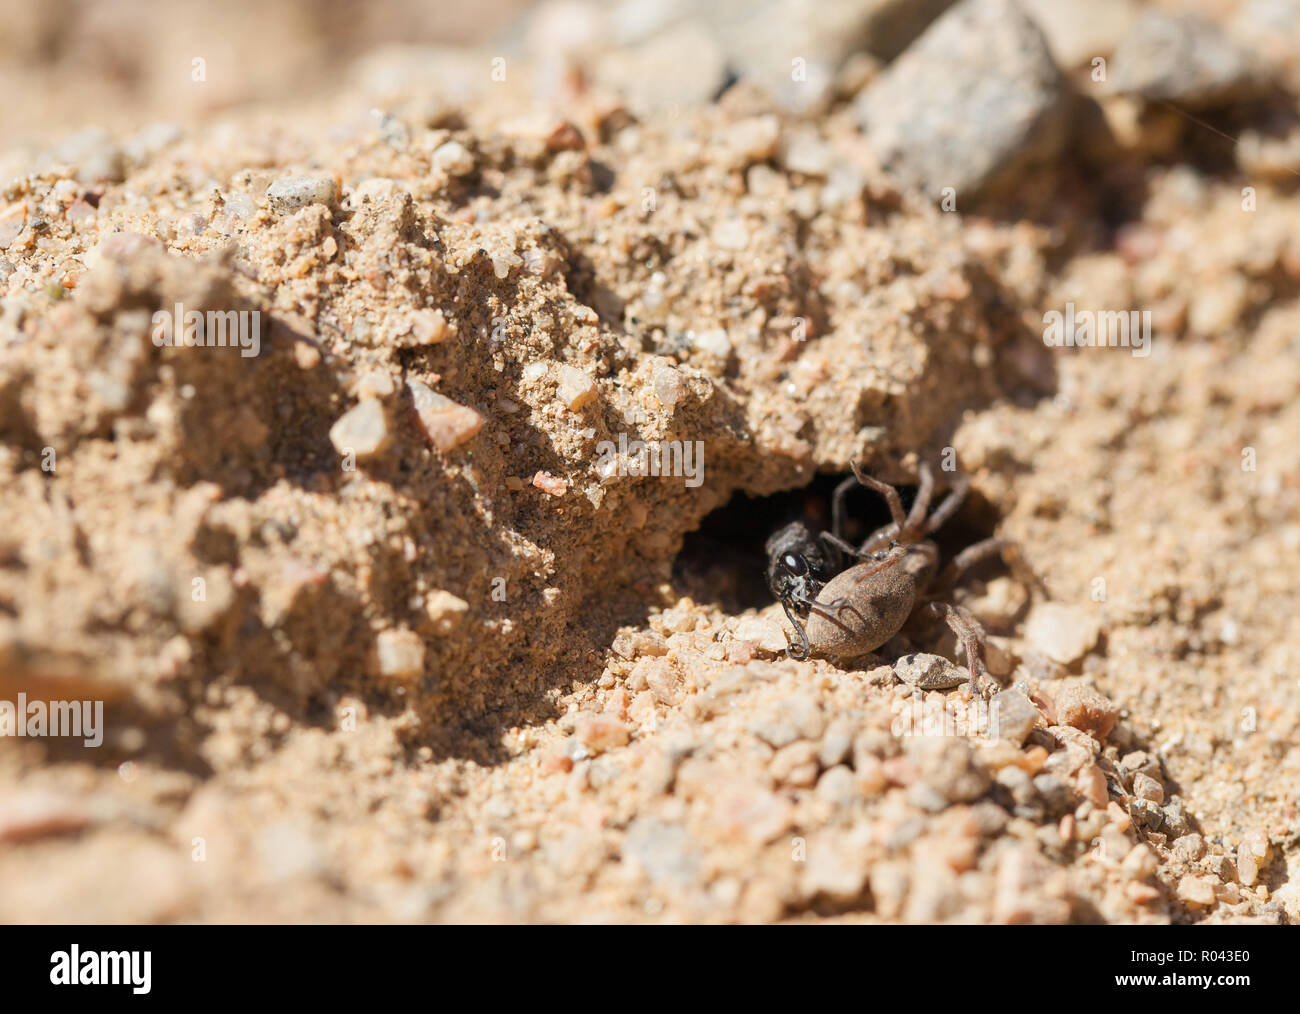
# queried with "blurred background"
point(67, 63)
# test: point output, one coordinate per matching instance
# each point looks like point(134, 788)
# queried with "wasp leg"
point(798, 629)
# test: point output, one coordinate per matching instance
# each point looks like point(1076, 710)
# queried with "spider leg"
point(971, 555)
point(968, 557)
point(886, 533)
point(882, 536)
point(968, 629)
point(929, 550)
point(837, 506)
point(916, 516)
point(945, 510)
point(884, 489)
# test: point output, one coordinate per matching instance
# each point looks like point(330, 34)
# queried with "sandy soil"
point(383, 633)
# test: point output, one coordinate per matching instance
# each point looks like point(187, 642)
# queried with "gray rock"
point(1015, 716)
point(1175, 817)
point(1183, 59)
point(929, 672)
point(1150, 815)
point(763, 44)
point(1267, 29)
point(294, 192)
point(647, 76)
point(971, 105)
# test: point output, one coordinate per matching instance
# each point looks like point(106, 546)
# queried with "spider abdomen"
point(860, 609)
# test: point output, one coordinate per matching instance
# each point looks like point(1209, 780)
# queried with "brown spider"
point(863, 606)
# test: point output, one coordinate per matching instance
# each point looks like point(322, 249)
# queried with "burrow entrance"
point(723, 563)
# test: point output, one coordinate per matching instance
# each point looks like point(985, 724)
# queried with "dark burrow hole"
point(722, 562)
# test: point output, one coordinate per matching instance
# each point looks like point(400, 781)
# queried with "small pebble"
point(837, 786)
point(1175, 818)
point(731, 234)
point(632, 644)
point(12, 221)
point(667, 386)
point(1141, 863)
point(551, 484)
point(429, 326)
point(599, 733)
point(362, 430)
point(715, 344)
point(835, 870)
point(1091, 784)
point(445, 610)
point(764, 634)
point(837, 743)
point(751, 140)
point(1146, 787)
point(453, 158)
point(970, 104)
point(1252, 854)
point(294, 192)
point(795, 765)
point(1063, 633)
point(1083, 708)
point(1198, 891)
point(1148, 814)
point(1189, 847)
point(400, 654)
point(446, 423)
point(574, 387)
